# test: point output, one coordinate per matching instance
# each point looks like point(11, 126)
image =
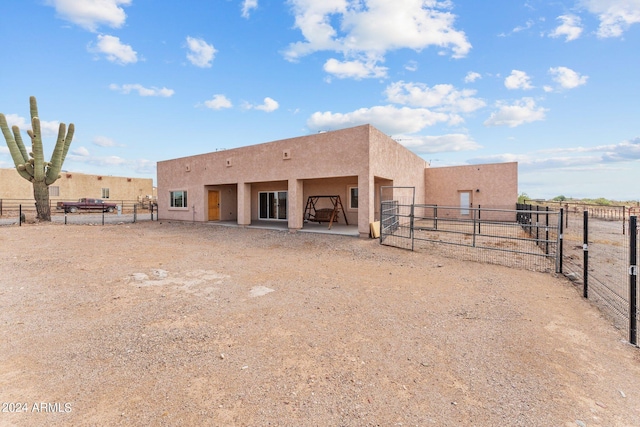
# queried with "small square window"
point(105, 193)
point(54, 191)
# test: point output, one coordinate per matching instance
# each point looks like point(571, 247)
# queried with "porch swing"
point(314, 214)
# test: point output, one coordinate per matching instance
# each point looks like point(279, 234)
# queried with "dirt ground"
point(175, 324)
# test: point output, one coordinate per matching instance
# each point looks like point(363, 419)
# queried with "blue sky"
point(551, 84)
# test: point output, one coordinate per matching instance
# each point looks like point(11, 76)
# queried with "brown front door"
point(214, 205)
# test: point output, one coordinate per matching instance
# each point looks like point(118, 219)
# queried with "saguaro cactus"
point(32, 166)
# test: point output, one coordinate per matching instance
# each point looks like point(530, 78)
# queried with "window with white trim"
point(105, 193)
point(178, 199)
point(353, 197)
point(54, 191)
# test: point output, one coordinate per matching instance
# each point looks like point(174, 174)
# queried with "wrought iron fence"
point(497, 236)
point(526, 237)
point(15, 213)
point(594, 249)
point(601, 257)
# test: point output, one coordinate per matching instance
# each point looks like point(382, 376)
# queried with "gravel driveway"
point(174, 324)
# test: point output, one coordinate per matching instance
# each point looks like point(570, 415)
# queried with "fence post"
point(20, 216)
point(102, 216)
point(585, 249)
point(537, 225)
point(135, 213)
point(151, 206)
point(546, 234)
point(474, 228)
point(633, 280)
point(479, 219)
point(435, 217)
point(559, 254)
point(411, 224)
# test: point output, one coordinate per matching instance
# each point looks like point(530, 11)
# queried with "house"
point(273, 181)
point(73, 186)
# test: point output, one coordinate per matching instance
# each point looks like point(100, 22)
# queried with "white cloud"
point(520, 28)
point(48, 128)
point(142, 91)
point(442, 97)
point(371, 28)
point(269, 105)
point(201, 53)
point(114, 50)
point(389, 119)
point(520, 112)
point(144, 166)
point(98, 161)
point(524, 27)
point(571, 28)
point(471, 77)
point(622, 152)
point(616, 16)
point(103, 141)
point(518, 80)
point(16, 120)
point(90, 14)
point(218, 102)
point(573, 158)
point(140, 166)
point(567, 78)
point(354, 69)
point(438, 144)
point(411, 66)
point(80, 151)
point(247, 6)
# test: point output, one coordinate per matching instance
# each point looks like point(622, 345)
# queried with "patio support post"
point(296, 204)
point(244, 203)
point(366, 203)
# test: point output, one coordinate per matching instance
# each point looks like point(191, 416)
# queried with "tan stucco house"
point(73, 185)
point(273, 181)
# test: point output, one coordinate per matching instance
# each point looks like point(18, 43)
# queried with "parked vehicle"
point(88, 205)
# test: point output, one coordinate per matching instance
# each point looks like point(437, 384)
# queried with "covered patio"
point(308, 227)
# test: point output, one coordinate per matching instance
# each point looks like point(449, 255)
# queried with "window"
point(353, 197)
point(178, 199)
point(105, 193)
point(54, 191)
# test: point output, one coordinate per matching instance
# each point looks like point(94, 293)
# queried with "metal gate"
point(525, 238)
point(396, 216)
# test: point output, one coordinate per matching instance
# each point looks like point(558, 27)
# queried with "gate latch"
point(633, 270)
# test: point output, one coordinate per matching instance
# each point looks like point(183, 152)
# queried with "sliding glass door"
point(272, 205)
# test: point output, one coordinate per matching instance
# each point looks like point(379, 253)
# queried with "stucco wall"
point(73, 185)
point(391, 161)
point(492, 185)
point(340, 154)
point(324, 164)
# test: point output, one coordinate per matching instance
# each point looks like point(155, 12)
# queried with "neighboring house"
point(73, 186)
point(273, 181)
